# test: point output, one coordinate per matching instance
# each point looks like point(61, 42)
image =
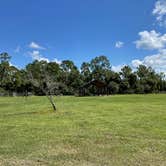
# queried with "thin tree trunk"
point(52, 102)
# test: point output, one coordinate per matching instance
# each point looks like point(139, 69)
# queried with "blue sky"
point(127, 32)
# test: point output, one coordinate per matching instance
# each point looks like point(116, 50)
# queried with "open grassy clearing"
point(86, 131)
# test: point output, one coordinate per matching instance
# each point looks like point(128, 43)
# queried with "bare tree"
point(45, 82)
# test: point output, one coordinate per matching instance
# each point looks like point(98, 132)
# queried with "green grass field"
point(85, 131)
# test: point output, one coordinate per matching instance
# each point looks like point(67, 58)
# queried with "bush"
point(3, 92)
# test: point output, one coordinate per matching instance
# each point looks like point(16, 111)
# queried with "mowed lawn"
point(85, 131)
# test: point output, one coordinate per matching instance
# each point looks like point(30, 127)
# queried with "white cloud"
point(151, 40)
point(34, 45)
point(119, 44)
point(136, 62)
point(11, 64)
point(17, 50)
point(37, 56)
point(117, 68)
point(57, 61)
point(156, 61)
point(160, 12)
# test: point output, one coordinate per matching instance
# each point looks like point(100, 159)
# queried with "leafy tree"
point(126, 72)
point(99, 66)
point(43, 78)
point(113, 87)
point(5, 57)
point(5, 72)
point(85, 72)
point(129, 80)
point(70, 77)
point(149, 79)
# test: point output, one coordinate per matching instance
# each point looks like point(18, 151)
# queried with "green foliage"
point(68, 79)
point(5, 57)
point(99, 66)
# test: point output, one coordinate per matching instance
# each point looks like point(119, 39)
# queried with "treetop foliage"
point(66, 78)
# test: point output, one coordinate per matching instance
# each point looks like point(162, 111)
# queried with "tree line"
point(51, 78)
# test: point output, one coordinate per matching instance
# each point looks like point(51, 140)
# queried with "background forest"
point(42, 77)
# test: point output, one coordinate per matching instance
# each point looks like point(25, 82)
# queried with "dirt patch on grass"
point(149, 157)
point(76, 163)
point(63, 149)
point(21, 162)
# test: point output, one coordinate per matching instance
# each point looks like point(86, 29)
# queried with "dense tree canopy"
point(66, 78)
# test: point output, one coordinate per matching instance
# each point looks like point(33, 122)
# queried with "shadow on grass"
point(27, 113)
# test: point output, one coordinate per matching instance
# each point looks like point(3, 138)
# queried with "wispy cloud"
point(36, 55)
point(17, 50)
point(37, 46)
point(160, 12)
point(119, 44)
